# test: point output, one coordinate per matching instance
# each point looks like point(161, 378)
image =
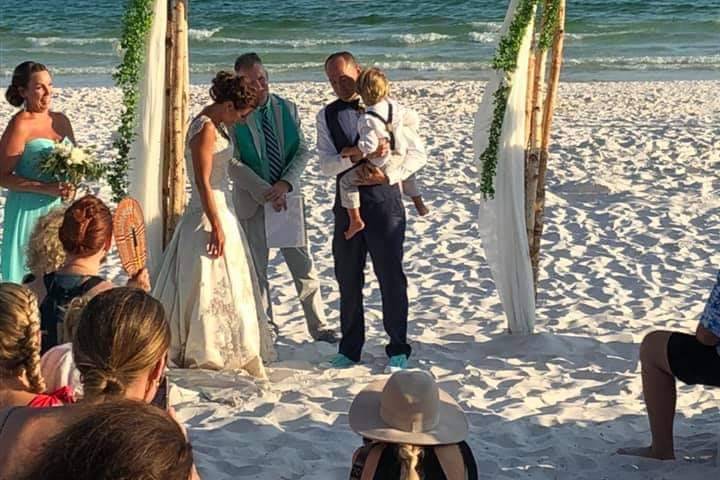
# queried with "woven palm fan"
point(129, 232)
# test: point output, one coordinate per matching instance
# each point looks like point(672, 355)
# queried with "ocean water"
point(412, 39)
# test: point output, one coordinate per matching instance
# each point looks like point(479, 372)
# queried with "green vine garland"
point(551, 19)
point(505, 59)
point(137, 22)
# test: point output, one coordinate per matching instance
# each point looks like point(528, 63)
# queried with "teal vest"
point(289, 139)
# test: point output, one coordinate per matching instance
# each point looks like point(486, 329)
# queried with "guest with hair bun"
point(120, 345)
point(28, 137)
point(21, 382)
point(86, 238)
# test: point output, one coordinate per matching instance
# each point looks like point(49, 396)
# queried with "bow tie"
point(352, 105)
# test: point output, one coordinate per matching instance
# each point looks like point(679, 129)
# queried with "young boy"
point(384, 118)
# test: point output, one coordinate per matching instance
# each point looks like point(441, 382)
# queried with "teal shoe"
point(341, 361)
point(397, 363)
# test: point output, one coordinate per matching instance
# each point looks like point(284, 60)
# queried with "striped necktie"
point(272, 148)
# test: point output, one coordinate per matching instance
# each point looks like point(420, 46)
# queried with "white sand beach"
point(632, 244)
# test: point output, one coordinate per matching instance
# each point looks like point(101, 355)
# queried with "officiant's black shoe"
point(328, 336)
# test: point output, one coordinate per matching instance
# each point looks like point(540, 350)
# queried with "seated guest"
point(86, 237)
point(117, 441)
point(666, 356)
point(412, 430)
point(57, 364)
point(20, 380)
point(121, 345)
point(44, 253)
point(120, 348)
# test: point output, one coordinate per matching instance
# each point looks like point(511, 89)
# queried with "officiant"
point(270, 156)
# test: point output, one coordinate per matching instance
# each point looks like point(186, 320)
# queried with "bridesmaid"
point(29, 135)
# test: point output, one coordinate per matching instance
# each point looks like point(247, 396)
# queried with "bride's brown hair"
point(226, 86)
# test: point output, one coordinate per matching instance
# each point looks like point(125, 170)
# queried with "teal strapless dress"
point(22, 210)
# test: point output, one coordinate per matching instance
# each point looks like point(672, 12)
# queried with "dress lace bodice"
point(222, 154)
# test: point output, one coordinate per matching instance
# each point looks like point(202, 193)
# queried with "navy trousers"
point(384, 215)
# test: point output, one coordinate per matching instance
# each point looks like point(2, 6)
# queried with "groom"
point(384, 215)
point(270, 157)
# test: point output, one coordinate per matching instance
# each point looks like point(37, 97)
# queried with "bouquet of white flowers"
point(72, 164)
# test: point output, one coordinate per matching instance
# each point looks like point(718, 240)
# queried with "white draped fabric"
point(502, 220)
point(146, 152)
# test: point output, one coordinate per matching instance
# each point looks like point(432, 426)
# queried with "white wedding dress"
point(212, 304)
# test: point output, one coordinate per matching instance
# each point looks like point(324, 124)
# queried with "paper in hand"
point(286, 228)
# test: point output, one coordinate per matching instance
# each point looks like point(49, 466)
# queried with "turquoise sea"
point(452, 39)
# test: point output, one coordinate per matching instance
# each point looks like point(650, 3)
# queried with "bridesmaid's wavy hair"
point(124, 439)
point(20, 335)
point(122, 333)
point(228, 87)
point(87, 227)
point(21, 79)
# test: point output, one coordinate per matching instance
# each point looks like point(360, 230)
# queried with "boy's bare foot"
point(353, 228)
point(646, 452)
point(422, 209)
point(420, 206)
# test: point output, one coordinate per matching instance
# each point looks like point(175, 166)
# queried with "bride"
point(207, 282)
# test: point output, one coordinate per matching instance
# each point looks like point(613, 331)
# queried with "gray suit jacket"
point(248, 187)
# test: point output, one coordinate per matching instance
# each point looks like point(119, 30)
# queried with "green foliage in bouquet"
point(137, 21)
point(72, 164)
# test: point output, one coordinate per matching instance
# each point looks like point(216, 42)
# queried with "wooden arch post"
point(177, 73)
point(542, 95)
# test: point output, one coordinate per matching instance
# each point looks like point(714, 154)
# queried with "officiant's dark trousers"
point(384, 215)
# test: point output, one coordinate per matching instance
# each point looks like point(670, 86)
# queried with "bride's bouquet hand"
point(216, 245)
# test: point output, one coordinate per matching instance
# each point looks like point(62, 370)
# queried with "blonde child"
point(383, 119)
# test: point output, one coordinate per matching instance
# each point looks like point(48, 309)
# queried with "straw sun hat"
point(408, 408)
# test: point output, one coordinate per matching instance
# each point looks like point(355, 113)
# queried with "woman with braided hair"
point(20, 380)
point(412, 430)
point(120, 347)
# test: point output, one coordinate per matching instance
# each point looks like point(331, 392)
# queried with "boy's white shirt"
point(405, 124)
point(332, 163)
point(371, 129)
